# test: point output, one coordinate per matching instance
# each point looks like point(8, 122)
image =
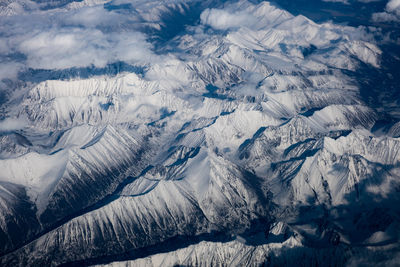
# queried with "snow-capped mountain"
point(198, 133)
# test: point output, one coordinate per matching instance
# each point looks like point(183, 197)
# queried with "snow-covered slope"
point(242, 136)
point(273, 253)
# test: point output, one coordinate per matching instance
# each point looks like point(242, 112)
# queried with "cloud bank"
point(391, 13)
point(67, 48)
point(64, 38)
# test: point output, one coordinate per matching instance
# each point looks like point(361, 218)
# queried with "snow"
point(37, 173)
point(205, 253)
point(248, 116)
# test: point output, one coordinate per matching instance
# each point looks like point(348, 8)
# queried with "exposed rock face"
point(244, 138)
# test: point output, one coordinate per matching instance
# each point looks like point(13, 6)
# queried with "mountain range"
point(197, 133)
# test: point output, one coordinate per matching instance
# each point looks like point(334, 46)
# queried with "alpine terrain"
point(199, 133)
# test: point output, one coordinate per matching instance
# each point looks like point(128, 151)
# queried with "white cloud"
point(9, 70)
point(384, 17)
point(391, 13)
point(91, 17)
point(86, 36)
point(10, 124)
point(61, 39)
point(80, 47)
point(393, 6)
point(222, 19)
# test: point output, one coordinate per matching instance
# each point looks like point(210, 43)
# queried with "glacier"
point(195, 133)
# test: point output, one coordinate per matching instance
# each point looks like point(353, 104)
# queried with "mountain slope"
point(242, 135)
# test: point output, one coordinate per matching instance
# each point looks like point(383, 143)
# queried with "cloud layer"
point(63, 38)
point(391, 13)
point(100, 32)
point(66, 48)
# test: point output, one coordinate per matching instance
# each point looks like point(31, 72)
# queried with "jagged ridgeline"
point(196, 133)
